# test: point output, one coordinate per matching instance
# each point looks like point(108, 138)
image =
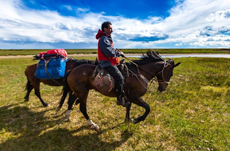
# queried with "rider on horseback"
point(108, 59)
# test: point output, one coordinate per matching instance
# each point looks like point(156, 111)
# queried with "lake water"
point(188, 55)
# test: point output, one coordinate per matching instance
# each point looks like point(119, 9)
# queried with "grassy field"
point(192, 114)
point(8, 52)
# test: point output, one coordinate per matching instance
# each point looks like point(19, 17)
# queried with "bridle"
point(163, 81)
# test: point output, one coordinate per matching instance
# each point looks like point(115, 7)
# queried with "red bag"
point(41, 53)
point(57, 52)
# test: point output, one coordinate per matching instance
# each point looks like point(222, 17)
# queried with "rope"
point(137, 79)
point(138, 66)
point(143, 78)
point(46, 62)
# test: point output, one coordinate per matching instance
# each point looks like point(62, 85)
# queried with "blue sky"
point(73, 24)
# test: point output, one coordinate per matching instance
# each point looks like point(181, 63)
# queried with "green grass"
point(9, 52)
point(192, 114)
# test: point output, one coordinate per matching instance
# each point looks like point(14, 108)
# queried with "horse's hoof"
point(96, 128)
point(26, 99)
point(67, 118)
point(135, 121)
point(45, 104)
point(67, 115)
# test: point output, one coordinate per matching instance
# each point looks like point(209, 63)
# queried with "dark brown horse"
point(80, 81)
point(34, 83)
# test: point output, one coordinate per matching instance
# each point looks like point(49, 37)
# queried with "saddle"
point(105, 82)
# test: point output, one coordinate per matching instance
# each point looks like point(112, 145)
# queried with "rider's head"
point(107, 27)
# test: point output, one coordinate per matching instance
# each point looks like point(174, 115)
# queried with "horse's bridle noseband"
point(152, 76)
point(163, 81)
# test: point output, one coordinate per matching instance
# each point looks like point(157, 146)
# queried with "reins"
point(152, 76)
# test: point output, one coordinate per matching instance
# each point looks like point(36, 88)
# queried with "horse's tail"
point(66, 86)
point(65, 91)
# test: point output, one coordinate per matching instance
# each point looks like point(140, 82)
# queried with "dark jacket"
point(107, 54)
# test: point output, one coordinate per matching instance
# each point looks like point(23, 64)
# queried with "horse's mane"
point(83, 61)
point(150, 56)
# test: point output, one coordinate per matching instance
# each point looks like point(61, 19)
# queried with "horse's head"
point(164, 76)
point(157, 66)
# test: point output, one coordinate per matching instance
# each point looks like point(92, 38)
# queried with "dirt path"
point(31, 56)
point(71, 55)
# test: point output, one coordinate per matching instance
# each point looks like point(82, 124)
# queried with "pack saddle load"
point(52, 64)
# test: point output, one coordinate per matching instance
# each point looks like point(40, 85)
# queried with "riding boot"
point(120, 94)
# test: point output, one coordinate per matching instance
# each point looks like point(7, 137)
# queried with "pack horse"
point(51, 70)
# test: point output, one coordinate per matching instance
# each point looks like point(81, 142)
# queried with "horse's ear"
point(177, 64)
point(157, 52)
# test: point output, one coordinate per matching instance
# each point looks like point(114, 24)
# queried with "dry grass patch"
point(192, 114)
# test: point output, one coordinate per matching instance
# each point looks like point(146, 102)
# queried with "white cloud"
point(219, 16)
point(68, 7)
point(189, 18)
point(188, 25)
point(40, 26)
point(82, 10)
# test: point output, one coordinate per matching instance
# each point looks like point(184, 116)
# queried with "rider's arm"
point(107, 48)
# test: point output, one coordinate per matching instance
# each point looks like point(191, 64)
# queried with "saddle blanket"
point(103, 81)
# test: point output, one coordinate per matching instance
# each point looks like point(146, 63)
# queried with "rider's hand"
point(122, 54)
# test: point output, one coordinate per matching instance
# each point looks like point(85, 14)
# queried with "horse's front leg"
point(127, 116)
point(140, 102)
